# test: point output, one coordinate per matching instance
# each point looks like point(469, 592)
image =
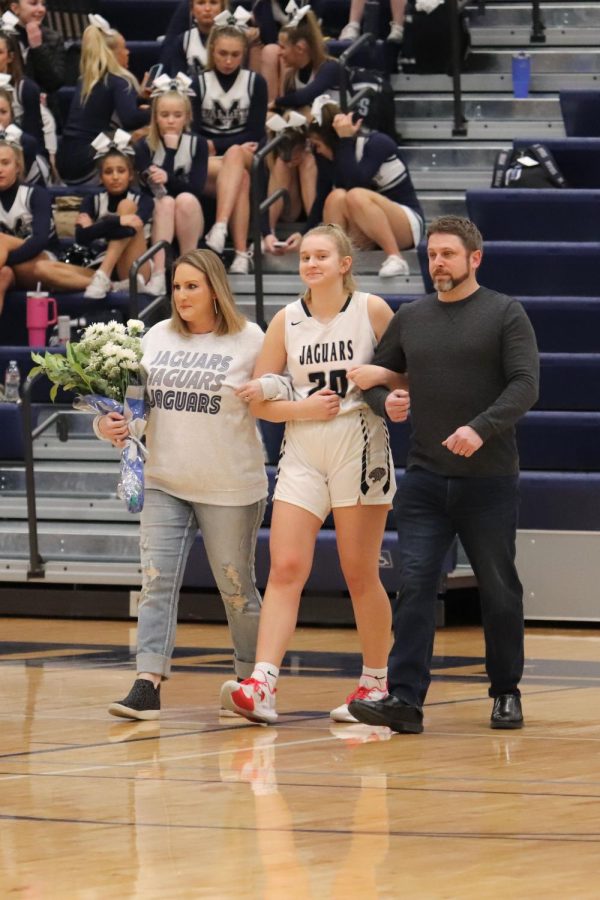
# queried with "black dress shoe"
point(507, 712)
point(395, 713)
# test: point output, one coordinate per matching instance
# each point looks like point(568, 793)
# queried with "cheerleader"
point(188, 51)
point(173, 162)
point(42, 48)
point(309, 71)
point(26, 94)
point(106, 97)
point(364, 186)
point(28, 240)
point(351, 31)
point(36, 166)
point(335, 458)
point(113, 220)
point(293, 170)
point(230, 111)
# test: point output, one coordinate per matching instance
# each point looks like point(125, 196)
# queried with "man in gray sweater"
point(473, 370)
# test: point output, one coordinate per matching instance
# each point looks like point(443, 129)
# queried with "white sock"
point(265, 671)
point(373, 678)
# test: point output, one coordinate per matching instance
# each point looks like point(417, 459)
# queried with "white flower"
point(135, 326)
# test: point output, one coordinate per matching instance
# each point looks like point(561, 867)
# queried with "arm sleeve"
point(172, 55)
point(360, 174)
point(145, 206)
point(521, 370)
point(31, 121)
point(126, 108)
point(41, 211)
point(390, 355)
point(255, 124)
point(49, 61)
point(326, 78)
point(180, 20)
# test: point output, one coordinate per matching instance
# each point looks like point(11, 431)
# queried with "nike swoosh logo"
point(296, 323)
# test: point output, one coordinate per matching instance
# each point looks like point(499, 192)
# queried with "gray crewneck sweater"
point(470, 362)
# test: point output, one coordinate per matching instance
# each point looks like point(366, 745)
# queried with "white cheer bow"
point(238, 19)
point(6, 82)
point(121, 141)
point(9, 22)
point(101, 23)
point(180, 85)
point(278, 123)
point(316, 109)
point(296, 13)
point(11, 135)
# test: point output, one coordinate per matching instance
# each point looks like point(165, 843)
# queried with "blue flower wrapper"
point(131, 481)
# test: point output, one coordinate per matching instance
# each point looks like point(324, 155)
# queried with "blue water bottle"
point(521, 74)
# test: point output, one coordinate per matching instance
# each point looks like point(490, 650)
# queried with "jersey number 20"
point(338, 381)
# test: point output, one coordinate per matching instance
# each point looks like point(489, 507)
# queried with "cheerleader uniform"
point(112, 103)
point(230, 109)
point(185, 53)
point(346, 460)
point(102, 208)
point(370, 161)
point(27, 111)
point(308, 85)
point(186, 166)
point(26, 212)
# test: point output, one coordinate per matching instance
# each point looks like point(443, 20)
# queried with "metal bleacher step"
point(112, 542)
point(451, 167)
point(509, 24)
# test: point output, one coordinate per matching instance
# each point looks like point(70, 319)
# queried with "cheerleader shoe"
point(343, 714)
point(350, 32)
point(216, 237)
point(392, 266)
point(99, 286)
point(251, 698)
point(242, 263)
point(396, 35)
point(157, 285)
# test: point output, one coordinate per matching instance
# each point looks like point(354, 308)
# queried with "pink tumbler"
point(38, 316)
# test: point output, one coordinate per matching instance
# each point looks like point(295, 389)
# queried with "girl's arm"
point(125, 104)
point(327, 77)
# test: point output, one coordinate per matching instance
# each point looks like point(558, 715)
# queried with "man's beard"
point(445, 283)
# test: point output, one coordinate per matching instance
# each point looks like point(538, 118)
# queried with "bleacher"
point(541, 246)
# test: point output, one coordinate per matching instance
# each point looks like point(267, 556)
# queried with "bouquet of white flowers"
point(104, 368)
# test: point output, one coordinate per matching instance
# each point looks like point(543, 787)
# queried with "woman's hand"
point(293, 243)
point(34, 34)
point(83, 220)
point(269, 245)
point(113, 427)
point(322, 405)
point(250, 391)
point(344, 125)
point(158, 175)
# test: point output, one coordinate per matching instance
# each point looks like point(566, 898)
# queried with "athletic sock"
point(373, 678)
point(265, 671)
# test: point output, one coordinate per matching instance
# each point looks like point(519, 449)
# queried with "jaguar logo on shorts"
point(377, 473)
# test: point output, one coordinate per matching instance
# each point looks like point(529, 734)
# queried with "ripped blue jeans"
point(168, 530)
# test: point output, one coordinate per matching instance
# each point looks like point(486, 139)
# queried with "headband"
point(179, 85)
point(296, 13)
point(11, 135)
point(238, 19)
point(8, 23)
point(278, 123)
point(316, 109)
point(101, 23)
point(120, 141)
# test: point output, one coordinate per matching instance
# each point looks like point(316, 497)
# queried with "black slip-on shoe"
point(142, 702)
point(507, 712)
point(391, 711)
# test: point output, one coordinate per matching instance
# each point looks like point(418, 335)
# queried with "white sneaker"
point(157, 285)
point(350, 32)
point(250, 698)
point(394, 265)
point(343, 714)
point(241, 264)
point(216, 237)
point(228, 714)
point(123, 285)
point(99, 286)
point(396, 35)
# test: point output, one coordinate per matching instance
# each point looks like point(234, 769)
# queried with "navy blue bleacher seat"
point(569, 381)
point(581, 113)
point(535, 215)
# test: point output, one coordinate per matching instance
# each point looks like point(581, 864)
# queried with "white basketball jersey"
point(225, 111)
point(319, 355)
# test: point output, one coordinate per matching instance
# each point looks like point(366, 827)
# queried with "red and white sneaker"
point(342, 713)
point(250, 698)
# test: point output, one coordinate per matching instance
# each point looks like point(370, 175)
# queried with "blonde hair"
point(19, 157)
point(227, 31)
point(343, 245)
point(229, 318)
point(98, 60)
point(306, 30)
point(153, 140)
point(8, 96)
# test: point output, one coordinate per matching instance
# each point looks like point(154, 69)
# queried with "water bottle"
point(12, 382)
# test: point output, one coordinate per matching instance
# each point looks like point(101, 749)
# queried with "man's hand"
point(397, 405)
point(464, 442)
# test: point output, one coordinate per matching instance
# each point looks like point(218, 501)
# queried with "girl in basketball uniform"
point(335, 457)
point(113, 220)
point(363, 185)
point(230, 111)
point(308, 71)
point(173, 162)
point(188, 51)
point(27, 237)
point(106, 98)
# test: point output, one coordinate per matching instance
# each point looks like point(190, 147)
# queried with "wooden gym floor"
point(197, 806)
